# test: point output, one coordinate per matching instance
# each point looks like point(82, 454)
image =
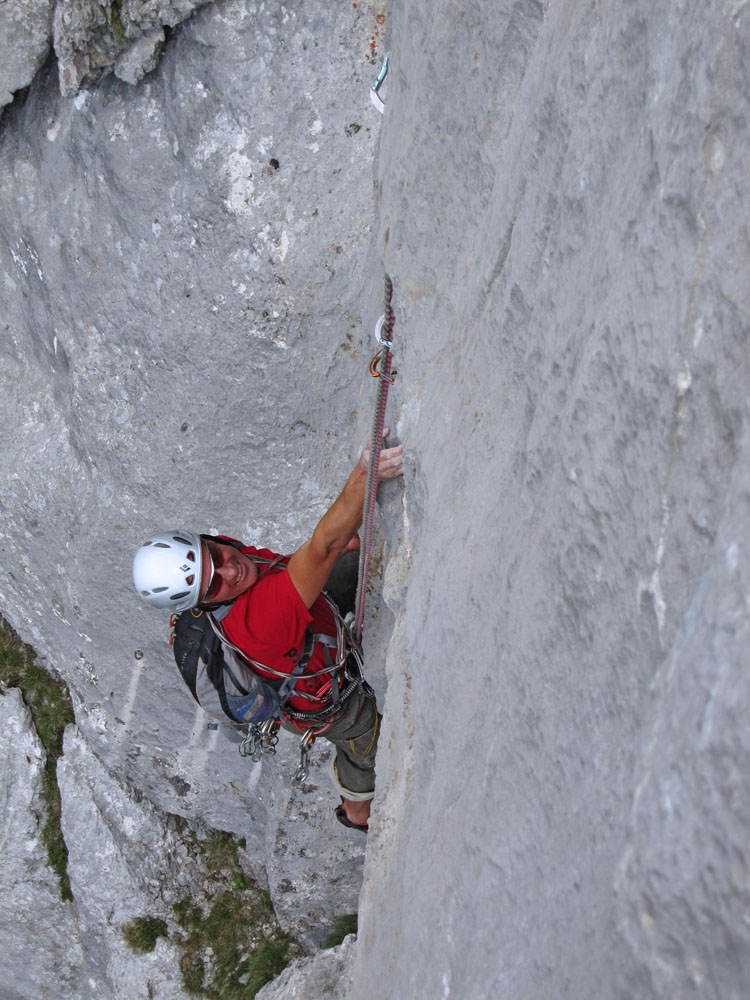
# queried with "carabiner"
point(305, 745)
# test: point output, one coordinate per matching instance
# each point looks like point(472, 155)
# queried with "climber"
point(275, 607)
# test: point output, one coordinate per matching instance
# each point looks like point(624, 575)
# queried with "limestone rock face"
point(41, 951)
point(89, 40)
point(25, 40)
point(142, 56)
point(564, 216)
point(188, 284)
point(92, 39)
point(124, 863)
point(325, 975)
point(126, 860)
point(187, 309)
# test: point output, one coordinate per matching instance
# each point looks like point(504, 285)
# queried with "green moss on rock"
point(51, 711)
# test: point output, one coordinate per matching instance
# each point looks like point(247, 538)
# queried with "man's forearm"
point(342, 519)
point(310, 565)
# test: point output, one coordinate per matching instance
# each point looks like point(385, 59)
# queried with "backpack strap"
point(334, 664)
point(211, 672)
point(289, 679)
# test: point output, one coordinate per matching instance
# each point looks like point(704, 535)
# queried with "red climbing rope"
point(380, 367)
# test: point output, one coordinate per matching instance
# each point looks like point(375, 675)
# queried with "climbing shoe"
point(341, 816)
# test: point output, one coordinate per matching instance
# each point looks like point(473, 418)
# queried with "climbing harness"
point(262, 737)
point(377, 101)
point(380, 367)
point(346, 676)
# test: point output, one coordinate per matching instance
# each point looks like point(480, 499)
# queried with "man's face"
point(233, 573)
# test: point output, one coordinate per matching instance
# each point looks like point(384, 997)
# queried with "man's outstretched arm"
point(313, 561)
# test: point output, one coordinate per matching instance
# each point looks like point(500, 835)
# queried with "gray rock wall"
point(89, 40)
point(185, 292)
point(562, 789)
point(127, 861)
point(25, 35)
point(563, 806)
point(123, 863)
point(34, 923)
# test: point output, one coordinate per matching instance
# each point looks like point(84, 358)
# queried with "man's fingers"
point(391, 462)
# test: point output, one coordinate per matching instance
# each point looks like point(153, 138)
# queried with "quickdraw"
point(377, 361)
point(374, 371)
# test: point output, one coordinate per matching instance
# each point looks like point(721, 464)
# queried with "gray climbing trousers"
point(355, 737)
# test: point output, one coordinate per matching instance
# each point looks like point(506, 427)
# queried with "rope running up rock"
point(383, 360)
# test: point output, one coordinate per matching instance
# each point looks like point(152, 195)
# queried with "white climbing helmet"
point(167, 570)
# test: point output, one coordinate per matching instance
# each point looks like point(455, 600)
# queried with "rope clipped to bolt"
point(380, 367)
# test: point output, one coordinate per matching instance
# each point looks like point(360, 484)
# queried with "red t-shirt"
point(269, 621)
